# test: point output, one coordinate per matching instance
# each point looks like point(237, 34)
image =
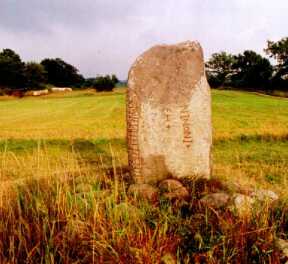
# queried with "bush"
point(102, 83)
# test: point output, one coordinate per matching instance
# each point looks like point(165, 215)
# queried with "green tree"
point(11, 69)
point(251, 70)
point(102, 83)
point(89, 82)
point(219, 68)
point(62, 74)
point(35, 75)
point(114, 79)
point(279, 51)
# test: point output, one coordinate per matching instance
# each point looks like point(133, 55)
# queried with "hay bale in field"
point(61, 89)
point(37, 93)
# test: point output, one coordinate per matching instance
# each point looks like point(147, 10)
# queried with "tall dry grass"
point(63, 199)
point(64, 210)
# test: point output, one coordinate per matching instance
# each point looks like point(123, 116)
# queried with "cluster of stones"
point(241, 204)
point(170, 189)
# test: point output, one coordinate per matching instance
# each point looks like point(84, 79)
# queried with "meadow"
point(63, 174)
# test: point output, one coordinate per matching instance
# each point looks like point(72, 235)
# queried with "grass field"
point(250, 132)
point(56, 153)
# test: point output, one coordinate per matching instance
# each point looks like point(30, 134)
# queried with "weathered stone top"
point(159, 73)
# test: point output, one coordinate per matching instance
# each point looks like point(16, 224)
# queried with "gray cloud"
point(106, 36)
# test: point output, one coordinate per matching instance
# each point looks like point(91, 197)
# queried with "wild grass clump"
point(83, 216)
point(78, 217)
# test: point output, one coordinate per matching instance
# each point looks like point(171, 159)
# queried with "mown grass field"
point(62, 164)
point(250, 132)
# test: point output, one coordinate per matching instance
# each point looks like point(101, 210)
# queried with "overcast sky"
point(105, 36)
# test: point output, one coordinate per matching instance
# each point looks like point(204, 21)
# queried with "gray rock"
point(244, 203)
point(173, 189)
point(238, 188)
point(169, 128)
point(216, 200)
point(265, 195)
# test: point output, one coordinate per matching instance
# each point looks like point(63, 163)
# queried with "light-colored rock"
point(216, 200)
point(243, 205)
point(169, 114)
point(173, 189)
point(144, 191)
point(265, 195)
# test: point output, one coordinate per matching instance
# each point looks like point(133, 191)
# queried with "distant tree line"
point(247, 70)
point(250, 70)
point(15, 74)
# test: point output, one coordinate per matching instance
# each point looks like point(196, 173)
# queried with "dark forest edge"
point(250, 71)
point(16, 75)
point(246, 71)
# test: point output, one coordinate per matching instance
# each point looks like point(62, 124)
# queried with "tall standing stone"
point(169, 114)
